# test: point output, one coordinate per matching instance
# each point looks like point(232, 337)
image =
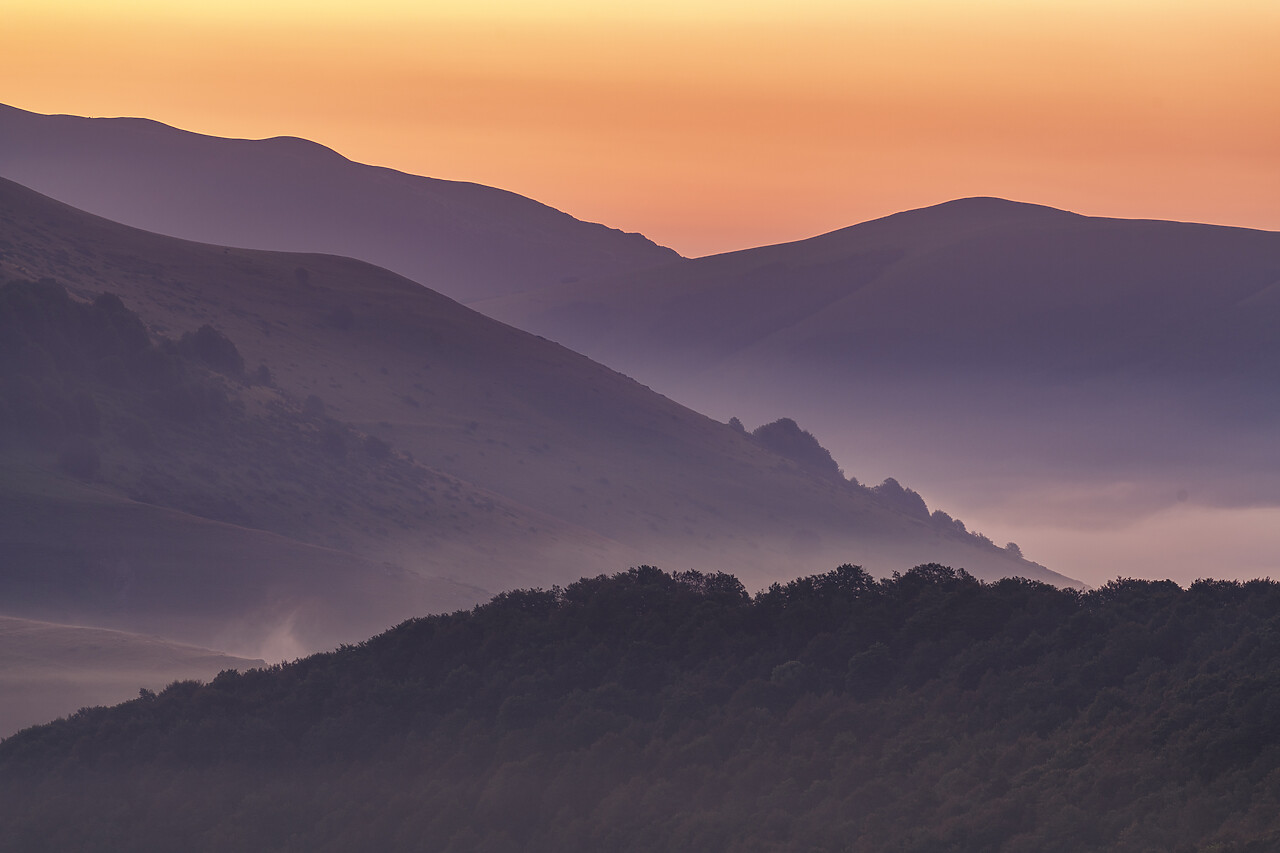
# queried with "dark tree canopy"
point(785, 438)
point(894, 494)
point(214, 349)
point(928, 711)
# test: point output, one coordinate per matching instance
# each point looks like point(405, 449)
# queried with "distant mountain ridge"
point(1009, 285)
point(582, 465)
point(1011, 354)
point(465, 240)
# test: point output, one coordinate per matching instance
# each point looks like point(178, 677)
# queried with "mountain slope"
point(86, 555)
point(975, 284)
point(466, 240)
point(704, 311)
point(141, 484)
point(1026, 361)
point(614, 471)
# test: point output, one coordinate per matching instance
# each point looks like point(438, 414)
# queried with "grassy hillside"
point(86, 555)
point(925, 712)
point(566, 466)
point(143, 476)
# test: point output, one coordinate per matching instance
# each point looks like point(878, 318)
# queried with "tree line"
point(647, 710)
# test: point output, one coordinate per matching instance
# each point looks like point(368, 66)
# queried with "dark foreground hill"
point(925, 712)
point(466, 240)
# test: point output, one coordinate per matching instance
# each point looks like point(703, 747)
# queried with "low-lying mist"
point(1112, 479)
point(48, 670)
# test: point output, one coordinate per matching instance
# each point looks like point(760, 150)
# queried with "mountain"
point(653, 711)
point(979, 346)
point(379, 430)
point(465, 240)
point(155, 486)
point(49, 670)
point(977, 286)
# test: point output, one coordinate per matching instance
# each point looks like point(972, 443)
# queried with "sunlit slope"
point(49, 670)
point(466, 240)
point(523, 419)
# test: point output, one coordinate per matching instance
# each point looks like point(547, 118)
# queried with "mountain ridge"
point(285, 193)
point(477, 400)
point(1029, 366)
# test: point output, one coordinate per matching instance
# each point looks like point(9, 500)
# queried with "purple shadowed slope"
point(1025, 363)
point(465, 240)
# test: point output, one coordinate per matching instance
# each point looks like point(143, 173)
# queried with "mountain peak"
point(943, 222)
point(983, 211)
point(298, 145)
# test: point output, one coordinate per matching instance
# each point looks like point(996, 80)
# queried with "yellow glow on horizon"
point(711, 126)
point(719, 12)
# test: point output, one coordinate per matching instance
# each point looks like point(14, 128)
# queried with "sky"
point(710, 126)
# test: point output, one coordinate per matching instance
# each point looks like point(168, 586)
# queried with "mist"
point(1041, 375)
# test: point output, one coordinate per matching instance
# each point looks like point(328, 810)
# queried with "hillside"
point(160, 487)
point(85, 554)
point(952, 289)
point(49, 670)
point(569, 465)
point(1069, 369)
point(465, 240)
point(647, 711)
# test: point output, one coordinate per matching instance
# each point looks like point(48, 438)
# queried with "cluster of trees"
point(786, 438)
point(86, 388)
point(62, 361)
point(47, 344)
point(652, 711)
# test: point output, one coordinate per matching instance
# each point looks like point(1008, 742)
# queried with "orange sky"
point(716, 125)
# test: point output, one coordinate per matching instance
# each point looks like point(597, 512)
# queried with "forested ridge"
point(928, 711)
